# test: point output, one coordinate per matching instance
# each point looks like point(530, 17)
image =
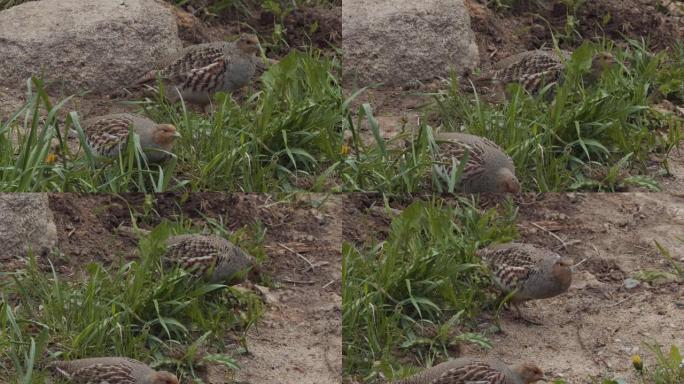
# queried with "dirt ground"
point(596, 326)
point(298, 340)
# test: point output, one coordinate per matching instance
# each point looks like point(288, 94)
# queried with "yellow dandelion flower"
point(51, 158)
point(637, 363)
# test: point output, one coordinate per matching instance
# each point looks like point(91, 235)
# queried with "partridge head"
point(528, 372)
point(248, 44)
point(600, 62)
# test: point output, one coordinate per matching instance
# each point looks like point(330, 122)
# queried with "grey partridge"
point(535, 69)
point(209, 256)
point(488, 168)
point(108, 135)
point(110, 370)
point(198, 71)
point(467, 370)
point(529, 271)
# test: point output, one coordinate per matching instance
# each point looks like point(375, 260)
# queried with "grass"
point(673, 273)
point(290, 129)
point(4, 4)
point(136, 309)
point(423, 276)
point(596, 136)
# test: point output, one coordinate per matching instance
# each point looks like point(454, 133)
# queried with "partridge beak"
point(176, 134)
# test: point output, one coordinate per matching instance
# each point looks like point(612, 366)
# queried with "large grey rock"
point(398, 41)
point(26, 222)
point(97, 45)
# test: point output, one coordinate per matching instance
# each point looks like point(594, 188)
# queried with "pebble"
point(631, 283)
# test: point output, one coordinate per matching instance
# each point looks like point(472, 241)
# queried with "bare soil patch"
point(319, 27)
point(528, 26)
point(298, 340)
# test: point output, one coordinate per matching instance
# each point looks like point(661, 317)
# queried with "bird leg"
point(525, 318)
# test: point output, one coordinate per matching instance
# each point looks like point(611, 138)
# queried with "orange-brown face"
point(562, 271)
point(248, 43)
point(530, 373)
point(161, 377)
point(566, 262)
point(509, 183)
point(602, 61)
point(165, 134)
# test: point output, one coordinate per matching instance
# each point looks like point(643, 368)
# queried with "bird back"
point(464, 371)
point(485, 159)
point(511, 264)
point(120, 370)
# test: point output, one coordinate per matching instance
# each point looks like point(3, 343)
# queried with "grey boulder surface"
point(400, 41)
point(79, 45)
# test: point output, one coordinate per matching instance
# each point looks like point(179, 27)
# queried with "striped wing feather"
point(206, 78)
point(476, 372)
point(194, 59)
point(510, 266)
point(531, 69)
point(475, 163)
point(106, 136)
point(195, 254)
point(104, 373)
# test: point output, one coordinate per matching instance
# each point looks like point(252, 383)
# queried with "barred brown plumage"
point(467, 370)
point(108, 135)
point(488, 168)
point(110, 370)
point(535, 69)
point(199, 71)
point(529, 271)
point(212, 257)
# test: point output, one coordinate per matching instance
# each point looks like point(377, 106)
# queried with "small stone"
point(631, 283)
